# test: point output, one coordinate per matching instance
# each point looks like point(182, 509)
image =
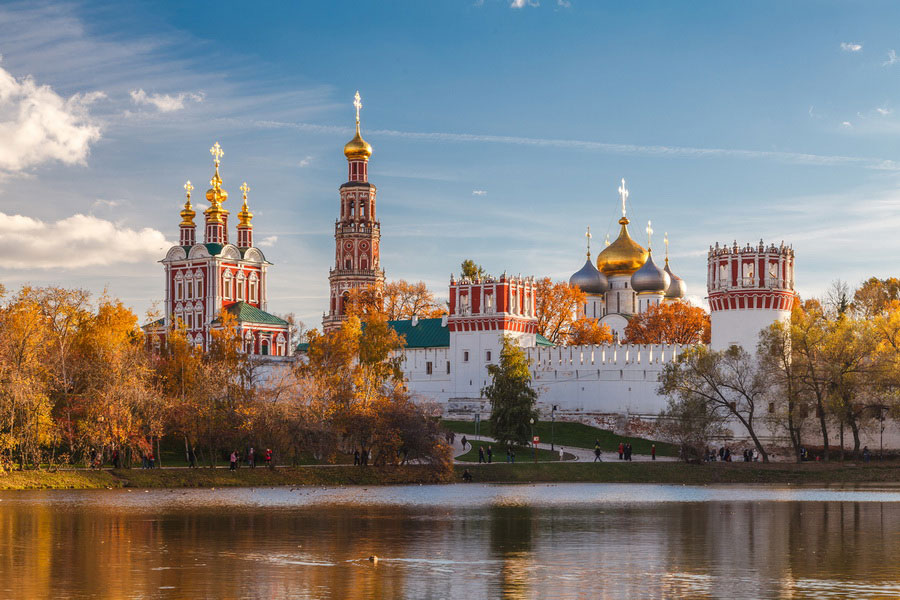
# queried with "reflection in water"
point(563, 541)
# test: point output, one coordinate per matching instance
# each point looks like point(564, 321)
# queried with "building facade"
point(206, 281)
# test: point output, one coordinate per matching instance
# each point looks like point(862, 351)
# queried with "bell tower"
point(357, 233)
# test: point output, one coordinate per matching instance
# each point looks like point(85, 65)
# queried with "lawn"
point(577, 435)
point(522, 454)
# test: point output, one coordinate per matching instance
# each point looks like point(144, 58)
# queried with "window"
point(428, 368)
point(178, 290)
point(190, 320)
point(199, 283)
point(771, 407)
point(254, 286)
point(487, 356)
point(239, 292)
point(188, 289)
point(226, 288)
point(348, 263)
point(465, 356)
point(198, 316)
point(448, 367)
point(264, 347)
point(489, 303)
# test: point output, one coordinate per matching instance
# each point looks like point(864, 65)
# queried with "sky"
point(500, 128)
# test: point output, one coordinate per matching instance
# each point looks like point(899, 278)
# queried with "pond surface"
point(462, 542)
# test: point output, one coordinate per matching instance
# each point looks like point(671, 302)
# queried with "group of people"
point(361, 458)
point(725, 454)
point(235, 458)
point(624, 450)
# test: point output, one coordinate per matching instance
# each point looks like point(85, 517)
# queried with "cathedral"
point(205, 280)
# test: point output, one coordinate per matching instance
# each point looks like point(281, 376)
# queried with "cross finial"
point(244, 188)
point(666, 242)
point(623, 194)
point(357, 102)
point(649, 235)
point(217, 153)
point(607, 239)
point(588, 236)
point(188, 188)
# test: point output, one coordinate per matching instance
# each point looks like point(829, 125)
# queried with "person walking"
point(463, 441)
point(628, 451)
point(151, 461)
point(356, 460)
point(480, 454)
point(192, 458)
point(490, 454)
point(234, 458)
point(268, 457)
point(597, 452)
point(251, 458)
point(621, 450)
point(652, 451)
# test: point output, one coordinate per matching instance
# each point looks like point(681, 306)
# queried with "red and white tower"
point(749, 289)
point(357, 233)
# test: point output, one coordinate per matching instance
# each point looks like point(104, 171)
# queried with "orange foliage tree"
point(557, 306)
point(669, 323)
point(403, 299)
point(589, 331)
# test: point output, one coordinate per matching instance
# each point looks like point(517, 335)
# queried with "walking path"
point(580, 454)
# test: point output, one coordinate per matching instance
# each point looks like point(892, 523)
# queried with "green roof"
point(250, 314)
point(540, 340)
point(428, 333)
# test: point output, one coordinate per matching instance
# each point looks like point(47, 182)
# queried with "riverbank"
point(523, 472)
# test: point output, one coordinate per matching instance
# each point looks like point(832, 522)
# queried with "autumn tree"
point(589, 331)
point(512, 396)
point(470, 270)
point(875, 295)
point(557, 306)
point(669, 323)
point(403, 300)
point(730, 383)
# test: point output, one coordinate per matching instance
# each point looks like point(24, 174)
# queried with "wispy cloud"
point(883, 111)
point(164, 102)
point(607, 147)
point(479, 192)
point(269, 241)
point(37, 125)
point(523, 3)
point(891, 59)
point(846, 124)
point(851, 47)
point(74, 242)
point(305, 161)
point(101, 203)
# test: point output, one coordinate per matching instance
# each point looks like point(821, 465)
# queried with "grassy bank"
point(577, 435)
point(521, 472)
point(259, 477)
point(681, 473)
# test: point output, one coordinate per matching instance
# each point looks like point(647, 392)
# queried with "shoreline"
point(524, 472)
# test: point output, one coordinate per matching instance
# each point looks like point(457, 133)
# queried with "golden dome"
point(357, 148)
point(188, 214)
point(245, 215)
point(624, 256)
point(216, 193)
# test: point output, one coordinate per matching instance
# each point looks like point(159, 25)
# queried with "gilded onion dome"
point(677, 288)
point(188, 213)
point(650, 278)
point(624, 256)
point(589, 279)
point(357, 148)
point(245, 216)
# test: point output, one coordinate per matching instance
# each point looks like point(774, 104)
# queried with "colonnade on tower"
point(357, 234)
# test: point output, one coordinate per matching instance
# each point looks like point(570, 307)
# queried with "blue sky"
point(500, 132)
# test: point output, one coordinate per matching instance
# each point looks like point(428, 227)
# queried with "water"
point(462, 542)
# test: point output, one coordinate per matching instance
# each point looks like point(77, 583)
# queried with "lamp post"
point(533, 445)
point(552, 428)
point(477, 423)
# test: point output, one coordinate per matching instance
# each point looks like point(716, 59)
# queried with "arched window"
point(254, 288)
point(264, 347)
point(280, 343)
point(348, 263)
point(363, 263)
point(227, 285)
point(239, 291)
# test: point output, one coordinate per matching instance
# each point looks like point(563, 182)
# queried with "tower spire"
point(666, 242)
point(216, 216)
point(187, 227)
point(623, 195)
point(245, 227)
point(588, 236)
point(358, 150)
point(649, 231)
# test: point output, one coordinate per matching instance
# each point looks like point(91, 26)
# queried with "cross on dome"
point(188, 188)
point(666, 242)
point(217, 153)
point(244, 188)
point(357, 103)
point(623, 194)
point(649, 234)
point(588, 236)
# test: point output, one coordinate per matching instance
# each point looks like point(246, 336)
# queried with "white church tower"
point(749, 289)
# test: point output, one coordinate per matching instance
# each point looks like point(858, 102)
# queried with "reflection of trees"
point(512, 529)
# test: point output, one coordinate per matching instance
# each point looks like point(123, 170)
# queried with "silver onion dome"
point(650, 278)
point(590, 280)
point(677, 288)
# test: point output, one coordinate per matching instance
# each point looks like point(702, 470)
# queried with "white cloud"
point(101, 203)
point(883, 111)
point(306, 161)
point(74, 242)
point(846, 124)
point(851, 47)
point(479, 192)
point(269, 241)
point(164, 102)
point(892, 59)
point(522, 3)
point(38, 125)
point(564, 3)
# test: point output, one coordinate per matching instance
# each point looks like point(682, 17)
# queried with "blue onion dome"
point(677, 288)
point(589, 279)
point(650, 278)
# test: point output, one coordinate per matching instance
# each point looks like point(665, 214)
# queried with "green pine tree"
point(511, 395)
